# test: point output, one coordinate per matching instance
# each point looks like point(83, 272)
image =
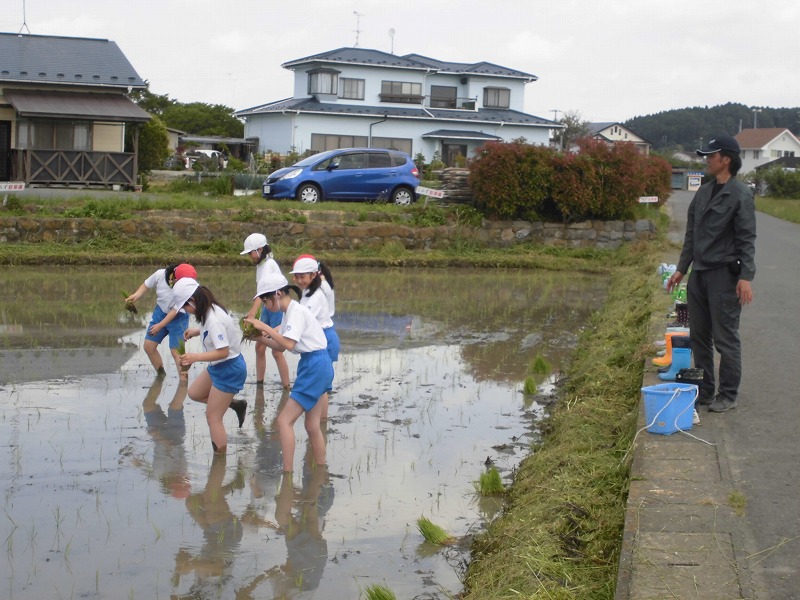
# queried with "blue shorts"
point(333, 343)
point(229, 376)
point(314, 378)
point(174, 328)
point(273, 319)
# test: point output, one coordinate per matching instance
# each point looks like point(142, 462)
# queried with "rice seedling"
point(379, 591)
point(433, 533)
point(530, 387)
point(540, 365)
point(129, 305)
point(249, 332)
point(490, 483)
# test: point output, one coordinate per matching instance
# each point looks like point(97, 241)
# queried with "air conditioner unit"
point(464, 80)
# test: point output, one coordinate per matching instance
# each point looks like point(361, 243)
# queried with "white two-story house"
point(356, 97)
point(760, 146)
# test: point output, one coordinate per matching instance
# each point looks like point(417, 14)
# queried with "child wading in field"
point(167, 320)
point(216, 386)
point(257, 248)
point(300, 333)
point(314, 278)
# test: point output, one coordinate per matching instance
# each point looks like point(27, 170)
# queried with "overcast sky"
point(609, 60)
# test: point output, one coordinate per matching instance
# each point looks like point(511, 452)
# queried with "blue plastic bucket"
point(669, 407)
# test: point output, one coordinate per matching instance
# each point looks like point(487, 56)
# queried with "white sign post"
point(12, 186)
point(648, 199)
point(429, 192)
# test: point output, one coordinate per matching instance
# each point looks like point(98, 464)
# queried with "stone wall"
point(325, 232)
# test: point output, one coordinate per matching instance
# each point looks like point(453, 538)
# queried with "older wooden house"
point(64, 112)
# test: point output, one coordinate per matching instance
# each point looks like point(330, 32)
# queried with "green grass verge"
point(781, 208)
point(561, 534)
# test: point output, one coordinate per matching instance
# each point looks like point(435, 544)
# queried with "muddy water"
point(110, 489)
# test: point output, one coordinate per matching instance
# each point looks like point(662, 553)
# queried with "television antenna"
point(24, 21)
point(358, 26)
point(391, 35)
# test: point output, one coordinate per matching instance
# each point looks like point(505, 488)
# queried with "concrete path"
point(719, 516)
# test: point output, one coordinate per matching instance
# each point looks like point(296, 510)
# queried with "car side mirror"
point(333, 165)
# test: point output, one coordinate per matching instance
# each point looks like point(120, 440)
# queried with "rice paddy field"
point(111, 490)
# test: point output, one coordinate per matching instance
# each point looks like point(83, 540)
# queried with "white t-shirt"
point(300, 325)
point(264, 267)
point(318, 305)
point(219, 331)
point(330, 294)
point(164, 296)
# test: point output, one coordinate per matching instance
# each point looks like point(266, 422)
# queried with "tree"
point(199, 118)
point(575, 129)
point(153, 145)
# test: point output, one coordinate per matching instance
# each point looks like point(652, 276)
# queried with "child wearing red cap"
point(167, 320)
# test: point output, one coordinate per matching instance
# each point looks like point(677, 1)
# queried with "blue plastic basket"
point(669, 407)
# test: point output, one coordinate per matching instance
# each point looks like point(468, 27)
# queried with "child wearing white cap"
point(313, 277)
point(257, 248)
point(220, 336)
point(299, 333)
point(167, 320)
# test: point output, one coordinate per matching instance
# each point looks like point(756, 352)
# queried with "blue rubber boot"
point(681, 359)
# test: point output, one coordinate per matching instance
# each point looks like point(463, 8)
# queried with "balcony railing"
point(73, 167)
point(453, 103)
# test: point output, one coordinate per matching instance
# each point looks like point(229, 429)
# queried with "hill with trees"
point(686, 127)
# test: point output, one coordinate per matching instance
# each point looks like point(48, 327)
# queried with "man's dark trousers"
point(714, 312)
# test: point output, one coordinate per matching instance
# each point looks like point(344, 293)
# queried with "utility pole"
point(755, 117)
point(358, 26)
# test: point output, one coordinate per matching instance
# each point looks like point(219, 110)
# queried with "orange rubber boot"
point(666, 360)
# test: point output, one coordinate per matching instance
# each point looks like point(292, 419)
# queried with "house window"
point(324, 141)
point(402, 144)
point(496, 97)
point(401, 91)
point(775, 153)
point(323, 81)
point(443, 96)
point(756, 153)
point(351, 89)
point(54, 135)
point(788, 152)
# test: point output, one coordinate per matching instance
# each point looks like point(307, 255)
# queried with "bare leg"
point(285, 423)
point(315, 437)
point(177, 358)
point(323, 400)
point(283, 368)
point(151, 349)
point(218, 403)
point(261, 362)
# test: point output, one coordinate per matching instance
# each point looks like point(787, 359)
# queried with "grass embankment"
point(561, 533)
point(781, 208)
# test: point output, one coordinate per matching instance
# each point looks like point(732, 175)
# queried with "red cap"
point(184, 270)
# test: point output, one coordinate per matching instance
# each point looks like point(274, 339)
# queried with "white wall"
point(777, 148)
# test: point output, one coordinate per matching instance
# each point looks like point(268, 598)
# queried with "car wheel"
point(402, 196)
point(309, 193)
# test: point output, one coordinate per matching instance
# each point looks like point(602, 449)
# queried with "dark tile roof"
point(65, 61)
point(483, 115)
point(785, 162)
point(64, 104)
point(377, 58)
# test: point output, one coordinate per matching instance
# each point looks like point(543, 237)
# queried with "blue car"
point(347, 174)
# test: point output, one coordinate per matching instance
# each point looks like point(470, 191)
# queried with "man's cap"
point(183, 290)
point(184, 270)
point(305, 264)
point(721, 142)
point(254, 241)
point(270, 282)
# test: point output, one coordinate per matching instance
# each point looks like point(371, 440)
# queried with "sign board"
point(12, 186)
point(693, 181)
point(430, 192)
point(647, 199)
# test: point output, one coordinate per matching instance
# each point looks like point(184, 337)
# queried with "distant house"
point(787, 163)
point(613, 133)
point(760, 146)
point(63, 111)
point(368, 98)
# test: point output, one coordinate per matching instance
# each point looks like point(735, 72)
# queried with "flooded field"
point(109, 485)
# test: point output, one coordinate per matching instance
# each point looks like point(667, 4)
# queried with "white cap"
point(254, 241)
point(183, 290)
point(305, 264)
point(269, 282)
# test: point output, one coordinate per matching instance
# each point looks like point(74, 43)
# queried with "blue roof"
point(483, 115)
point(377, 58)
point(66, 61)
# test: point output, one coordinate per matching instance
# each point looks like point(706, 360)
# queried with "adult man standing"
point(720, 245)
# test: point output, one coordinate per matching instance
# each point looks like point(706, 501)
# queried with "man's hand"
point(745, 292)
point(674, 280)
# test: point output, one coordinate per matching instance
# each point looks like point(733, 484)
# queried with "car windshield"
point(314, 158)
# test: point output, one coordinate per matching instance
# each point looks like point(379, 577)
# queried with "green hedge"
point(521, 181)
